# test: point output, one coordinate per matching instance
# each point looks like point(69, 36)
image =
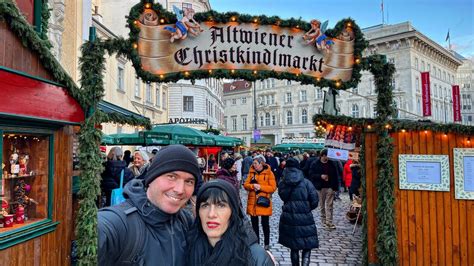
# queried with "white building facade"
point(284, 108)
point(412, 53)
point(465, 78)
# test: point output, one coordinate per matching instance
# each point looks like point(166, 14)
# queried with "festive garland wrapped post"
point(92, 66)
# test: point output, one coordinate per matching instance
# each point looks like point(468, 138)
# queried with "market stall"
point(36, 151)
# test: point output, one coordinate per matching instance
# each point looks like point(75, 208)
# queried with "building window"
point(188, 103)
point(418, 106)
point(119, 129)
point(355, 111)
point(393, 83)
point(304, 135)
point(234, 101)
point(290, 135)
point(272, 99)
point(267, 119)
point(355, 90)
point(303, 97)
point(273, 120)
point(269, 83)
point(244, 122)
point(243, 100)
point(304, 116)
point(137, 88)
point(429, 68)
point(288, 82)
point(158, 96)
point(422, 65)
point(234, 123)
point(416, 63)
point(225, 122)
point(417, 84)
point(164, 100)
point(187, 5)
point(148, 93)
point(120, 78)
point(267, 100)
point(319, 93)
point(261, 121)
point(288, 97)
point(289, 118)
point(374, 111)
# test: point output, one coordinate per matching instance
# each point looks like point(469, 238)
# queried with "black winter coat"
point(317, 169)
point(297, 229)
point(164, 234)
point(111, 175)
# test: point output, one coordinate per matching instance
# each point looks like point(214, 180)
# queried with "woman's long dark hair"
point(232, 249)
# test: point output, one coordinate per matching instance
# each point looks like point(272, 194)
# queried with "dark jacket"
point(164, 234)
point(272, 162)
point(246, 163)
point(355, 182)
point(308, 164)
point(297, 229)
point(224, 174)
point(111, 175)
point(259, 256)
point(317, 169)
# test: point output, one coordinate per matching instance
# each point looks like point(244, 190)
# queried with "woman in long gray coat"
point(297, 229)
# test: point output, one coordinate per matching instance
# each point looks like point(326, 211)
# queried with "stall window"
point(25, 177)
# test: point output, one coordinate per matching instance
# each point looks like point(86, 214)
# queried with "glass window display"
point(24, 179)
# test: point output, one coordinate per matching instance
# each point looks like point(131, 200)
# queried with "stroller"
point(353, 215)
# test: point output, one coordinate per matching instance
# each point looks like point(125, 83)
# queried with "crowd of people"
point(161, 190)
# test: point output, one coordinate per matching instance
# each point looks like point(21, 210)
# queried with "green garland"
point(365, 250)
point(359, 46)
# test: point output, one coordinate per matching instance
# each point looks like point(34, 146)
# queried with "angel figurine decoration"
point(315, 36)
point(185, 24)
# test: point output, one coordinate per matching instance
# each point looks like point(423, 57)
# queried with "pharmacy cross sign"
point(180, 43)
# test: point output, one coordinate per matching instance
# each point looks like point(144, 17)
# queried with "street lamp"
point(449, 101)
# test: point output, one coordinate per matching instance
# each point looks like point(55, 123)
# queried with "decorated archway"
point(167, 47)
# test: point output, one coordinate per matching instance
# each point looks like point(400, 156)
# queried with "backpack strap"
point(135, 234)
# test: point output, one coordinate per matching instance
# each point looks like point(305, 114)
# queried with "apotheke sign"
point(187, 121)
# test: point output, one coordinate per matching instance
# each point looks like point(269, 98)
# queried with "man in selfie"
point(323, 175)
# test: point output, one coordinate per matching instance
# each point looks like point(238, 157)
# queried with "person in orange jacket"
point(260, 183)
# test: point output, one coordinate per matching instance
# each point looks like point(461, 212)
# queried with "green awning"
point(127, 139)
point(107, 140)
point(298, 146)
point(225, 141)
point(176, 134)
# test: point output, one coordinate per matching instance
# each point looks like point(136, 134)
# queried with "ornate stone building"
point(284, 108)
point(465, 79)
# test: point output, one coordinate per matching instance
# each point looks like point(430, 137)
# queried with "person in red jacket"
point(347, 175)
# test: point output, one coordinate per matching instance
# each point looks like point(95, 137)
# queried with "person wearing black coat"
point(111, 175)
point(355, 182)
point(297, 229)
point(324, 176)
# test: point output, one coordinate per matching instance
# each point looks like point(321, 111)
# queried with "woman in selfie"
point(260, 184)
point(220, 235)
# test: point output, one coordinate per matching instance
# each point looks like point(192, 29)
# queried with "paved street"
point(336, 247)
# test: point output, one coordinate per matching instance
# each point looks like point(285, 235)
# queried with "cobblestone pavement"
point(336, 247)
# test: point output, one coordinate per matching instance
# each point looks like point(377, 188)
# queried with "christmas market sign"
point(188, 45)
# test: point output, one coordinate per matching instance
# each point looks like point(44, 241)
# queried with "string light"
point(232, 71)
point(210, 71)
point(349, 24)
point(468, 140)
point(233, 19)
point(162, 76)
point(135, 46)
point(255, 20)
point(162, 21)
point(338, 84)
point(357, 61)
point(426, 131)
point(255, 72)
point(369, 126)
point(186, 73)
point(387, 126)
point(403, 130)
point(135, 22)
point(147, 5)
point(350, 128)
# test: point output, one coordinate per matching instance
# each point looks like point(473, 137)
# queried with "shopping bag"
point(117, 194)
